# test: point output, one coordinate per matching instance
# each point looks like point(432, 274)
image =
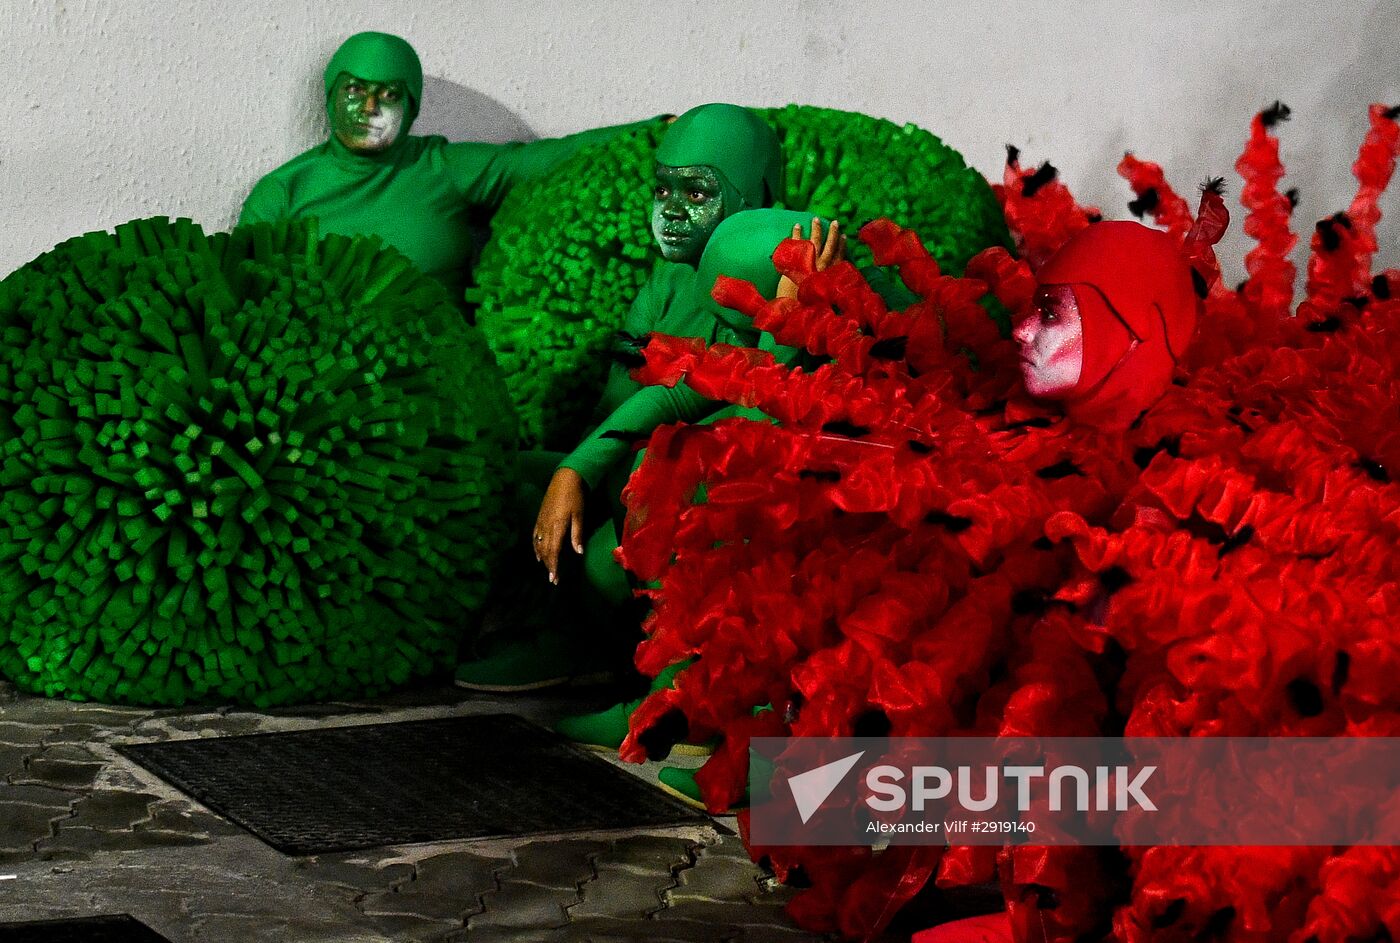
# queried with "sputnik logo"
point(810, 789)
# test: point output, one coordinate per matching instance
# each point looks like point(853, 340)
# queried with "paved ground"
point(84, 831)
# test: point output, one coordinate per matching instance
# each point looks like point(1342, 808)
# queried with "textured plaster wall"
point(123, 109)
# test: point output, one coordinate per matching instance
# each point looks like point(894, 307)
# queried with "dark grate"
point(114, 929)
point(347, 788)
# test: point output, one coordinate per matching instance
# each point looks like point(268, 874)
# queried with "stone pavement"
point(87, 832)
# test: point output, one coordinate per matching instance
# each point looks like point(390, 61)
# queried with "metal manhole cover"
point(346, 788)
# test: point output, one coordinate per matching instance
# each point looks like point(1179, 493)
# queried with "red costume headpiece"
point(1138, 310)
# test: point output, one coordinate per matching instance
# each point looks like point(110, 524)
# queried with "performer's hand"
point(561, 512)
point(829, 252)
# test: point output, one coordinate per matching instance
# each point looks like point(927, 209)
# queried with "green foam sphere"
point(258, 466)
point(568, 254)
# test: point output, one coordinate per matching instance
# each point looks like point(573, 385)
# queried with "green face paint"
point(686, 206)
point(367, 117)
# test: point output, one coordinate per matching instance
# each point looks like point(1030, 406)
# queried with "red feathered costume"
point(1204, 542)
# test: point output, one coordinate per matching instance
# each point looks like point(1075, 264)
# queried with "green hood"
point(735, 142)
point(378, 57)
point(742, 247)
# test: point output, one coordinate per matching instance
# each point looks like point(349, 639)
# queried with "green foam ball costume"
point(259, 467)
point(569, 253)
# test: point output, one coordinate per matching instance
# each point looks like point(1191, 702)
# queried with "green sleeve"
point(641, 320)
point(641, 414)
point(268, 203)
point(888, 286)
point(484, 173)
point(646, 410)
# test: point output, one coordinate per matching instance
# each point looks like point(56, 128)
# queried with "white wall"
point(132, 108)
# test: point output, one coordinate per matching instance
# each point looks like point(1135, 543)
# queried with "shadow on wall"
point(459, 113)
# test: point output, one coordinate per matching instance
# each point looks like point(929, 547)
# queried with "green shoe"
point(680, 784)
point(545, 661)
point(605, 730)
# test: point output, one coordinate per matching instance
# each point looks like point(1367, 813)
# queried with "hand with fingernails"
point(829, 252)
point(561, 512)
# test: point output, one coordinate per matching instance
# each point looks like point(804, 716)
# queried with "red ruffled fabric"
point(1268, 292)
point(1155, 197)
point(918, 548)
point(1040, 209)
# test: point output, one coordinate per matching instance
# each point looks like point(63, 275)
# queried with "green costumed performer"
point(715, 161)
point(741, 247)
point(371, 177)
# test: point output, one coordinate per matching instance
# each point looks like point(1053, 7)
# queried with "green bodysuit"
point(742, 247)
point(416, 194)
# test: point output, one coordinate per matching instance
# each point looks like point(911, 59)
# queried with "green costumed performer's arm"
point(650, 408)
point(733, 140)
point(667, 291)
point(485, 173)
point(267, 203)
point(638, 416)
point(742, 247)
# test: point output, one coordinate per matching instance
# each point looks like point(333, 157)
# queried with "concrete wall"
point(132, 108)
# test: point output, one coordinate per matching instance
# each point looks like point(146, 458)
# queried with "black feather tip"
point(955, 523)
point(1274, 114)
point(1327, 232)
point(1214, 185)
point(1328, 325)
point(1373, 469)
point(1061, 469)
point(1031, 185)
point(1013, 154)
point(842, 427)
point(891, 348)
point(1146, 202)
point(1113, 579)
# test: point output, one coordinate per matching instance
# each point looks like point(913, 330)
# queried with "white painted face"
point(367, 116)
point(382, 129)
point(1051, 337)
